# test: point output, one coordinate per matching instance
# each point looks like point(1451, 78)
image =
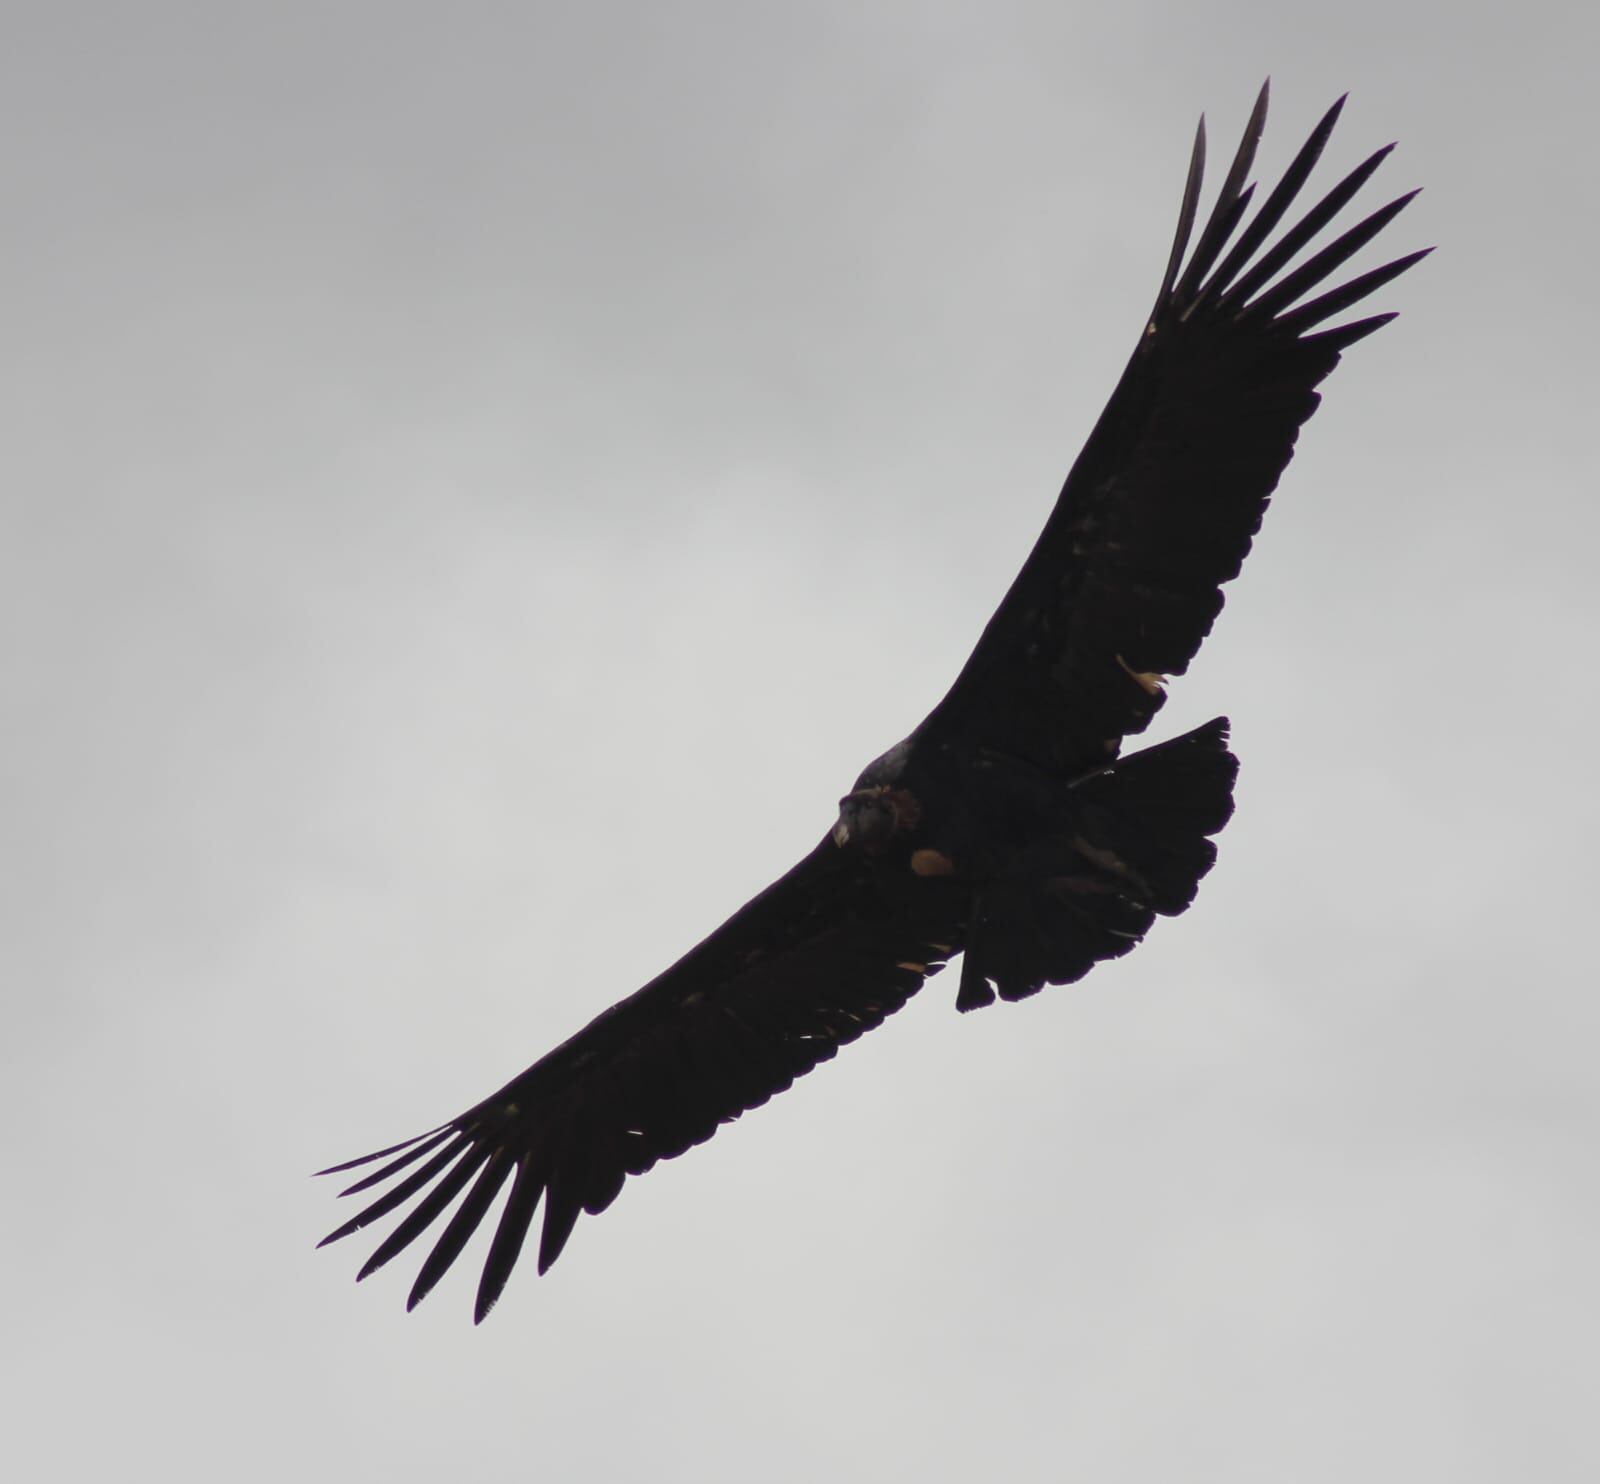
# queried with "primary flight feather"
point(1007, 828)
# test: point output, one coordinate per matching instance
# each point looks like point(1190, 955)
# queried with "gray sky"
point(481, 480)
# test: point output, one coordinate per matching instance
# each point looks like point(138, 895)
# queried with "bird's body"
point(1009, 827)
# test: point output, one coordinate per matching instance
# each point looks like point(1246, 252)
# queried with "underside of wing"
point(819, 958)
point(1161, 507)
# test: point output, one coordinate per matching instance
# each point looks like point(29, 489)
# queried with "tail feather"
point(1158, 808)
point(1138, 847)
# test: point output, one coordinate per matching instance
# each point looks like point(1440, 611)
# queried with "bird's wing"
point(821, 956)
point(1160, 508)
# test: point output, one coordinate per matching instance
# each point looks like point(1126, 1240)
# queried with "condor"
point(1008, 827)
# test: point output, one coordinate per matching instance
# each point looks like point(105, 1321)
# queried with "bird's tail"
point(1138, 844)
point(1158, 809)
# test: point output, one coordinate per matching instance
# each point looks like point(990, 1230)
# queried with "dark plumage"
point(1007, 827)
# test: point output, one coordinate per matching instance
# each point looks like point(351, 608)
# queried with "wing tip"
point(1186, 214)
point(377, 1154)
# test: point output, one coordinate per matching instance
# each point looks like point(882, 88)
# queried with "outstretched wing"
point(821, 956)
point(1160, 508)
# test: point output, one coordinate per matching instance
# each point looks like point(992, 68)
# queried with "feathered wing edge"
point(1248, 291)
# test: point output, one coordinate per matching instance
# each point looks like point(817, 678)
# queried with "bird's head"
point(869, 818)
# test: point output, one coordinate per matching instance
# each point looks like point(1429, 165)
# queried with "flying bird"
point(1008, 828)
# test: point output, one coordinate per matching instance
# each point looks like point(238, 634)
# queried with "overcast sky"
point(479, 482)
